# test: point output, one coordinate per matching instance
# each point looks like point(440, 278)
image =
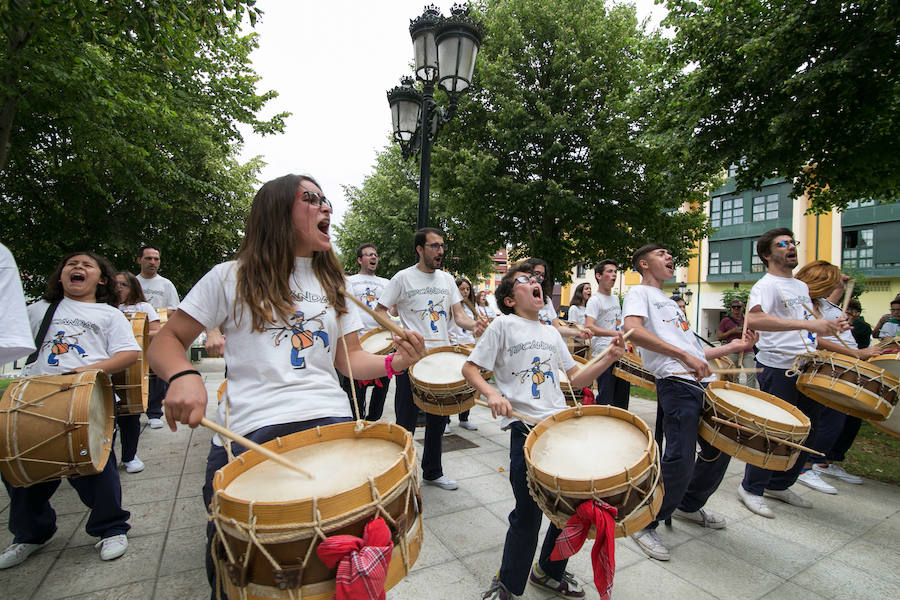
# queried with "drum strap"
point(42, 331)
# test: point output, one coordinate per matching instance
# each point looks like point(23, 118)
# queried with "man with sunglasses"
point(425, 298)
point(730, 328)
point(781, 311)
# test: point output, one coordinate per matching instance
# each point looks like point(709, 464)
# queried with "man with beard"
point(424, 296)
point(603, 316)
point(781, 311)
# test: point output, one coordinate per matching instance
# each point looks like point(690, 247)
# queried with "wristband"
point(182, 373)
point(387, 366)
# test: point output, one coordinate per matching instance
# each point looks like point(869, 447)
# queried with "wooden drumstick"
point(251, 445)
point(785, 442)
point(514, 413)
point(837, 334)
point(600, 356)
point(743, 337)
point(848, 293)
point(379, 318)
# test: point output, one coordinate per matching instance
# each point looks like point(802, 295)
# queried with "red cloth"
point(603, 555)
point(587, 396)
point(362, 564)
point(365, 382)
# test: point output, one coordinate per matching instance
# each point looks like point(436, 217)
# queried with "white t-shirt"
point(547, 314)
point(80, 334)
point(783, 297)
point(576, 314)
point(424, 302)
point(368, 289)
point(888, 330)
point(526, 357)
point(16, 340)
point(285, 373)
point(142, 307)
point(662, 317)
point(830, 311)
point(160, 292)
point(458, 335)
point(607, 314)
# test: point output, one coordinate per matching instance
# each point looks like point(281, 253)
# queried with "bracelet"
point(182, 373)
point(387, 366)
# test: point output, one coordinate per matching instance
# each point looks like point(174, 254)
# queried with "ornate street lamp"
point(685, 293)
point(444, 49)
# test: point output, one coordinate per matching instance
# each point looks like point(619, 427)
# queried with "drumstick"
point(604, 353)
point(837, 333)
point(514, 413)
point(251, 445)
point(749, 430)
point(743, 337)
point(848, 293)
point(379, 318)
point(735, 371)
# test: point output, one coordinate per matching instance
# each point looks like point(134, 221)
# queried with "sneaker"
point(648, 541)
point(567, 588)
point(468, 425)
point(703, 518)
point(755, 504)
point(789, 497)
point(833, 470)
point(112, 547)
point(134, 465)
point(17, 553)
point(498, 591)
point(812, 480)
point(442, 482)
point(155, 423)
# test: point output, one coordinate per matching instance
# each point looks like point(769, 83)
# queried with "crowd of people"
point(291, 334)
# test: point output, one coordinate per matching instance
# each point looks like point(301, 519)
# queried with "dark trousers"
point(524, 525)
point(838, 450)
point(831, 424)
point(689, 478)
point(379, 393)
point(156, 394)
point(218, 458)
point(407, 414)
point(612, 390)
point(33, 521)
point(774, 381)
point(129, 432)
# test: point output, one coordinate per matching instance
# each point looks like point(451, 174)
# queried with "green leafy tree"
point(548, 155)
point(741, 293)
point(805, 90)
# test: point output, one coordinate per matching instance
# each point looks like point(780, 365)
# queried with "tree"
point(383, 212)
point(805, 90)
point(548, 155)
point(741, 293)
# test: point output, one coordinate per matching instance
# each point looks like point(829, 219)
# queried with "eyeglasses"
point(436, 246)
point(123, 284)
point(370, 255)
point(314, 198)
point(786, 243)
point(527, 279)
point(539, 277)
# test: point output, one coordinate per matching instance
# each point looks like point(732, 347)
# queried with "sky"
point(332, 64)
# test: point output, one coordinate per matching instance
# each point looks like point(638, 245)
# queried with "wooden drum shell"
point(849, 385)
point(132, 385)
point(630, 367)
point(443, 398)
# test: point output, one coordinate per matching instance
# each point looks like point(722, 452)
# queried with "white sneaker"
point(789, 497)
point(442, 482)
point(135, 465)
point(112, 547)
point(16, 554)
point(812, 480)
point(755, 504)
point(447, 429)
point(155, 423)
point(648, 541)
point(833, 470)
point(469, 425)
point(702, 517)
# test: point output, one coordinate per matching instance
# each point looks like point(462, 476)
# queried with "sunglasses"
point(786, 243)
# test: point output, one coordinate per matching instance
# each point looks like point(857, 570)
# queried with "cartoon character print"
point(369, 297)
point(809, 334)
point(544, 320)
point(301, 337)
point(539, 371)
point(61, 344)
point(434, 312)
point(679, 320)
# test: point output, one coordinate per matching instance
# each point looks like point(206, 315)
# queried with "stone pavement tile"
point(878, 561)
point(722, 574)
point(21, 581)
point(187, 585)
point(726, 503)
point(147, 518)
point(679, 533)
point(885, 533)
point(66, 526)
point(157, 465)
point(498, 437)
point(502, 508)
point(449, 581)
point(142, 590)
point(799, 530)
point(847, 511)
point(149, 490)
point(647, 579)
point(790, 591)
point(489, 488)
point(468, 531)
point(463, 467)
point(79, 570)
point(833, 579)
point(185, 550)
point(437, 501)
point(191, 485)
point(433, 552)
point(188, 512)
point(772, 553)
point(483, 566)
point(495, 460)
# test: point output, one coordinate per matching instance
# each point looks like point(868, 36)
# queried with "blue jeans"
point(524, 525)
point(612, 390)
point(155, 396)
point(407, 413)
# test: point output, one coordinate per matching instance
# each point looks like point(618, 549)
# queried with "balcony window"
point(725, 212)
point(765, 208)
point(858, 248)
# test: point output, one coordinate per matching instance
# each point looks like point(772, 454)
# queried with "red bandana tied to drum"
point(603, 555)
point(362, 564)
point(587, 396)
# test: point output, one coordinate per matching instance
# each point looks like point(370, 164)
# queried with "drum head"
point(888, 362)
point(377, 341)
point(756, 407)
point(443, 367)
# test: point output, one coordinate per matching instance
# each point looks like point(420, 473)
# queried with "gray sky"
point(331, 64)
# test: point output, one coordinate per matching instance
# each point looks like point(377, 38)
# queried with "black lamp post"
point(685, 293)
point(445, 49)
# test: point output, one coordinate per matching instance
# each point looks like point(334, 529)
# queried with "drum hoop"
point(862, 367)
point(458, 385)
point(743, 417)
point(373, 333)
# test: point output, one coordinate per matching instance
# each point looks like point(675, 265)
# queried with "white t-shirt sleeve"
point(119, 335)
point(206, 302)
point(391, 292)
point(635, 304)
point(16, 340)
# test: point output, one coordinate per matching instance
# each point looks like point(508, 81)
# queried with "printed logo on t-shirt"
point(433, 312)
point(61, 344)
point(540, 372)
point(809, 334)
point(544, 320)
point(302, 338)
point(679, 320)
point(369, 297)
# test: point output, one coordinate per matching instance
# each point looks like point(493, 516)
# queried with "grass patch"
point(875, 455)
point(643, 393)
point(4, 383)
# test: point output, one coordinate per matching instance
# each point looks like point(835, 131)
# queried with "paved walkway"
point(848, 546)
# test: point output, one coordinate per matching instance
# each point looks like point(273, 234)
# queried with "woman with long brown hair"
point(280, 305)
point(461, 336)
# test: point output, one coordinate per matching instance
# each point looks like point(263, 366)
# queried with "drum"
point(269, 519)
point(220, 393)
point(571, 395)
point(55, 426)
point(630, 367)
point(578, 348)
point(438, 385)
point(725, 362)
point(163, 314)
point(847, 384)
point(377, 341)
point(766, 423)
point(595, 453)
point(132, 385)
point(890, 362)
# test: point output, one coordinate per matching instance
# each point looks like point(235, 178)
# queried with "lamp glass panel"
point(425, 51)
point(405, 117)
